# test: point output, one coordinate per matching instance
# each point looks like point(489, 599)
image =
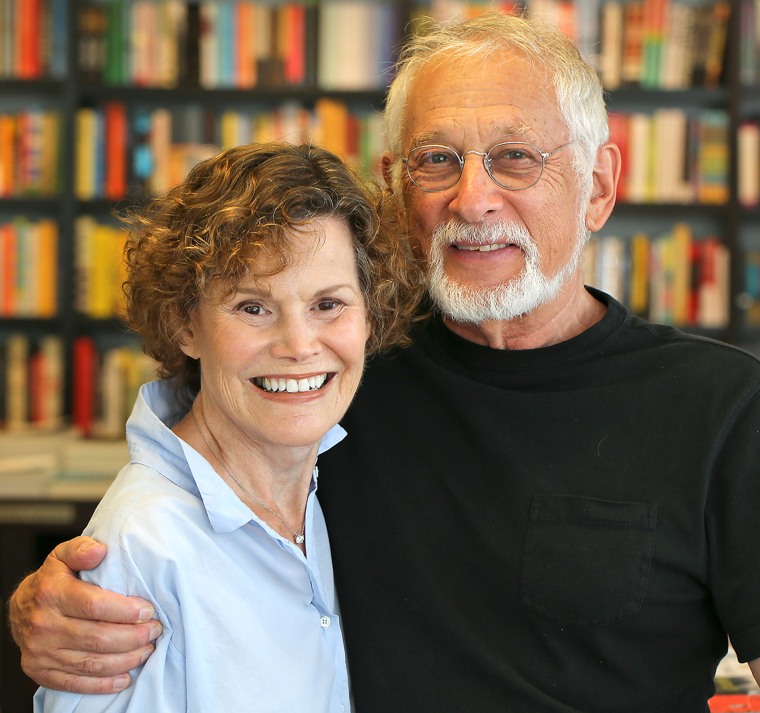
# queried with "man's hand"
point(73, 635)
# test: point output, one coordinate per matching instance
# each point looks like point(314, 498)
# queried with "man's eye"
point(436, 157)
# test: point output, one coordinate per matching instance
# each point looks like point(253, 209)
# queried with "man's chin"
point(477, 304)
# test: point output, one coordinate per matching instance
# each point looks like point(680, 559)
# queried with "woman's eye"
point(327, 305)
point(253, 309)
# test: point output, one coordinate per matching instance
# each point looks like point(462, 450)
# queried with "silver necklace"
point(299, 537)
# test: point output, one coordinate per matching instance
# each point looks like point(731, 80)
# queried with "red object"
point(84, 367)
point(735, 703)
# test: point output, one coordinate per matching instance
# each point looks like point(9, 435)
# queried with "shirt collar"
point(152, 442)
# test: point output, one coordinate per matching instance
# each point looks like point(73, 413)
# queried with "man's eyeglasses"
point(512, 165)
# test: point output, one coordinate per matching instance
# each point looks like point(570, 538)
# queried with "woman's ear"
point(187, 342)
point(605, 180)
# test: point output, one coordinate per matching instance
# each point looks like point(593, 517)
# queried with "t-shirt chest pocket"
point(586, 561)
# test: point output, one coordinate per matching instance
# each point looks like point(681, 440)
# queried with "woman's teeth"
point(292, 386)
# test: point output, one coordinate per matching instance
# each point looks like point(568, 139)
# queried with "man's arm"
point(73, 635)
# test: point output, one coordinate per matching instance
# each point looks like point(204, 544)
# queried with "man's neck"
point(574, 311)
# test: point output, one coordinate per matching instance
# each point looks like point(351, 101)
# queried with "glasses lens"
point(514, 165)
point(434, 168)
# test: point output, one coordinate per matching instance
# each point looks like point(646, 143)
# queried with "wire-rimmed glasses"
point(513, 165)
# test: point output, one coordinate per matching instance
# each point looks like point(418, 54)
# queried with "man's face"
point(471, 104)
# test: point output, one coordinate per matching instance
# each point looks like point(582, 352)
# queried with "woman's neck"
point(273, 482)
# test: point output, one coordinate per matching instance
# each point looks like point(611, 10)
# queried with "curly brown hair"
point(243, 203)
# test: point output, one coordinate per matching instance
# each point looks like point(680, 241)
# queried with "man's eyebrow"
point(428, 137)
point(516, 131)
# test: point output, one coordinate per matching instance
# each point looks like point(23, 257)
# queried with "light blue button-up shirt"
point(250, 623)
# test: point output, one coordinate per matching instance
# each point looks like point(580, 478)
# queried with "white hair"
point(579, 93)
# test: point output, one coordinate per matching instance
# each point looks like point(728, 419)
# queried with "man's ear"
point(386, 164)
point(605, 180)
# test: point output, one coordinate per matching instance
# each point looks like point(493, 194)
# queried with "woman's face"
point(282, 356)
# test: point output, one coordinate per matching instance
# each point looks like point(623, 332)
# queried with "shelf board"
point(94, 93)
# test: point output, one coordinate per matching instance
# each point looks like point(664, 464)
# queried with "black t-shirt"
point(571, 528)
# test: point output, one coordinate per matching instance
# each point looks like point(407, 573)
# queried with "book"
point(91, 42)
point(713, 284)
point(611, 56)
point(716, 45)
point(712, 159)
point(7, 154)
point(354, 62)
point(678, 53)
point(16, 377)
point(208, 50)
point(115, 147)
point(26, 476)
point(332, 118)
point(115, 65)
point(748, 160)
point(189, 49)
point(637, 185)
point(633, 39)
point(653, 31)
point(246, 66)
point(84, 375)
point(638, 288)
point(682, 269)
point(49, 406)
point(46, 263)
point(7, 270)
point(85, 148)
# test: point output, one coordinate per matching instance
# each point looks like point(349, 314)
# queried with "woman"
point(258, 284)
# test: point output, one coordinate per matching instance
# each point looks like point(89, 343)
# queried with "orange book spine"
point(295, 59)
point(8, 273)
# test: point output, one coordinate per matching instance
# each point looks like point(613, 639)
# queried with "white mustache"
point(484, 233)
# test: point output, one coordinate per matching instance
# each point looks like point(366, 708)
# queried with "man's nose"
point(477, 194)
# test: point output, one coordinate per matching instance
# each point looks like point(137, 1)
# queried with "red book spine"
point(84, 372)
point(116, 150)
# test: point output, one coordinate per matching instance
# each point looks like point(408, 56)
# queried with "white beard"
point(521, 295)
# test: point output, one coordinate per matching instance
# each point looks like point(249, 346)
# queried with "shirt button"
point(324, 622)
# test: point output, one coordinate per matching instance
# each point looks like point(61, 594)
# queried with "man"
point(544, 504)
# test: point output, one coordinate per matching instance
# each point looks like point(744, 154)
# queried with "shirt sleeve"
point(160, 684)
point(733, 530)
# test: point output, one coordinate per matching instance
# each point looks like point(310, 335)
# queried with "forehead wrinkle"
point(509, 132)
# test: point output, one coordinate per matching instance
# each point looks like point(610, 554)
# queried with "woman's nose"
point(296, 338)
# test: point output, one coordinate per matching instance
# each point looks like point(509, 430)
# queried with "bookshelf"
point(73, 81)
point(106, 102)
point(112, 100)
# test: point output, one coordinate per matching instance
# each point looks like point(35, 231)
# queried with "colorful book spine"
point(114, 158)
point(32, 39)
point(30, 153)
point(236, 43)
point(671, 277)
point(28, 268)
point(670, 156)
point(661, 44)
